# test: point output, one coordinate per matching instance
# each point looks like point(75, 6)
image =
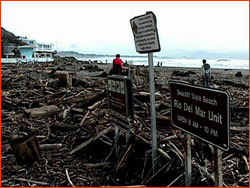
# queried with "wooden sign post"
point(147, 41)
point(218, 167)
point(188, 161)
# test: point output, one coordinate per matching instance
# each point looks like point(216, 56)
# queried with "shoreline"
point(108, 66)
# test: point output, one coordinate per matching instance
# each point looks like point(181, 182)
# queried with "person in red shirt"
point(117, 65)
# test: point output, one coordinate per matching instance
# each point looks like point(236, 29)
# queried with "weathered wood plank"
point(42, 111)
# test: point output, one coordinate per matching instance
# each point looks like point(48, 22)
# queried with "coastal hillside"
point(8, 37)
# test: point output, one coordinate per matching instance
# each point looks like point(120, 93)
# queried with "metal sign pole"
point(116, 140)
point(129, 70)
point(218, 167)
point(147, 41)
point(128, 135)
point(127, 138)
point(152, 107)
point(188, 165)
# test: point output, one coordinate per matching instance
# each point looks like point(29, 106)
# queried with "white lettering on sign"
point(183, 93)
point(214, 132)
point(215, 117)
point(145, 33)
point(195, 124)
point(116, 86)
point(197, 97)
point(197, 110)
point(181, 119)
point(188, 108)
point(200, 112)
point(209, 101)
point(177, 104)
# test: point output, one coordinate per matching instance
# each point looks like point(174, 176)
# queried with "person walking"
point(206, 73)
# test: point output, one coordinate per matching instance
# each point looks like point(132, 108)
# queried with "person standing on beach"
point(117, 65)
point(206, 73)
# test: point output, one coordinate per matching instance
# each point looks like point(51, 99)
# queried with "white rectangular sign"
point(145, 33)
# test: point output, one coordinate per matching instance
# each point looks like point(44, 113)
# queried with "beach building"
point(30, 51)
point(44, 50)
point(41, 51)
point(26, 52)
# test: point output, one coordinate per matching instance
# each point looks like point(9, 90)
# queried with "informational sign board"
point(145, 33)
point(120, 100)
point(201, 112)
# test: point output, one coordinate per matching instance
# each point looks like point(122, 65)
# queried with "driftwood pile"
point(64, 105)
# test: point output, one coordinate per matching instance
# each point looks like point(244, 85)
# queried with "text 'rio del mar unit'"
point(197, 110)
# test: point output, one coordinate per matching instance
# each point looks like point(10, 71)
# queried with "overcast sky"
point(104, 27)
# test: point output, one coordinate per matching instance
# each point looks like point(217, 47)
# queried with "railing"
point(44, 49)
point(18, 60)
point(45, 59)
point(9, 60)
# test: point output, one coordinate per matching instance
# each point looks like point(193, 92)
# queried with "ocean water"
point(196, 63)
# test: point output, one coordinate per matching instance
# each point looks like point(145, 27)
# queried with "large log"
point(43, 111)
point(65, 78)
point(163, 122)
point(240, 129)
point(50, 146)
point(64, 126)
point(26, 150)
point(145, 96)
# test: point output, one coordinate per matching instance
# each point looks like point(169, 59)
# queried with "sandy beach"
point(81, 116)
